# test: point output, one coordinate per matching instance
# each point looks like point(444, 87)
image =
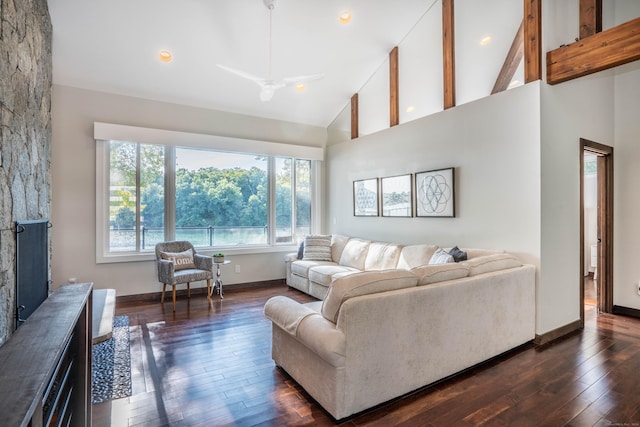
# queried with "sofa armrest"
point(286, 313)
point(291, 257)
point(309, 327)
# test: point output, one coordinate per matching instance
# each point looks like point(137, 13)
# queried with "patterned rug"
point(111, 364)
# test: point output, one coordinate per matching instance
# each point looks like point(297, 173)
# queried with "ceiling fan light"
point(345, 17)
point(266, 93)
point(165, 55)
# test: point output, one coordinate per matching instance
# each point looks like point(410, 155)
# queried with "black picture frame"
point(397, 196)
point(365, 197)
point(435, 193)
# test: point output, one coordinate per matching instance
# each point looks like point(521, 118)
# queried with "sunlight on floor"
point(120, 412)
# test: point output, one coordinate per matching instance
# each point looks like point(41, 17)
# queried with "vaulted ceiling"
point(113, 46)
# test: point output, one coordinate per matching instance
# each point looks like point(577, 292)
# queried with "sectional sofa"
point(387, 329)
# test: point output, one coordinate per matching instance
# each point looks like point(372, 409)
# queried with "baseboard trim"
point(626, 311)
point(182, 291)
point(557, 333)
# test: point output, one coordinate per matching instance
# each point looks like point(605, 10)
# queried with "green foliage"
point(206, 197)
point(215, 197)
point(125, 218)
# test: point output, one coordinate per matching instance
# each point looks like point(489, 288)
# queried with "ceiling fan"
point(268, 85)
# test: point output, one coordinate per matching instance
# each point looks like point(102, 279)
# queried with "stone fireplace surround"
point(25, 133)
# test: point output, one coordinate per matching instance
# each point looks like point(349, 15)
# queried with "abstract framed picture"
point(435, 193)
point(365, 197)
point(397, 197)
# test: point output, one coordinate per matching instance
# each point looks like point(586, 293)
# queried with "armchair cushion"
point(180, 260)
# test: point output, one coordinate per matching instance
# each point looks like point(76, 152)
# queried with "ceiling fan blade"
point(259, 80)
point(288, 81)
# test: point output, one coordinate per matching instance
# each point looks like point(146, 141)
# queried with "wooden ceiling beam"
point(616, 46)
point(354, 116)
point(394, 101)
point(448, 54)
point(590, 17)
point(511, 62)
point(532, 40)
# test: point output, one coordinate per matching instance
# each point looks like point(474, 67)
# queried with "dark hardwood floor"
point(210, 365)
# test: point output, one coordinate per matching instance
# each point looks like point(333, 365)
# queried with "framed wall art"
point(435, 193)
point(397, 197)
point(365, 197)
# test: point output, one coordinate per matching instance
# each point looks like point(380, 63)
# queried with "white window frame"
point(105, 132)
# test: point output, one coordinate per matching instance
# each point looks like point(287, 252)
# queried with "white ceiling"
point(113, 46)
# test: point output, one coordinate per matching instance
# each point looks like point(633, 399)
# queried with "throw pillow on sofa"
point(317, 248)
point(301, 250)
point(458, 254)
point(441, 257)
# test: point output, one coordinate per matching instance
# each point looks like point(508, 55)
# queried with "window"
point(215, 199)
point(221, 198)
point(136, 196)
point(293, 199)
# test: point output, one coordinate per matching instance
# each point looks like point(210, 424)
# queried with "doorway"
point(596, 225)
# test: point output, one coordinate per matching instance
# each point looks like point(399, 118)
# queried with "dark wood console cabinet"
point(45, 366)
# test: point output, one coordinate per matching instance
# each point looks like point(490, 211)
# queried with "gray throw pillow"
point(317, 248)
point(458, 254)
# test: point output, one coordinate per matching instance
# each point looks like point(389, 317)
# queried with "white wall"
point(494, 144)
point(73, 181)
point(581, 108)
point(626, 157)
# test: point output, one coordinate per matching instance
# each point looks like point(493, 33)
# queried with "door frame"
point(604, 288)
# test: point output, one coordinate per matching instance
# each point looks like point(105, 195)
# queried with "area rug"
point(111, 364)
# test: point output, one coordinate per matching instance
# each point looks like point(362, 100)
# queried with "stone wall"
point(25, 132)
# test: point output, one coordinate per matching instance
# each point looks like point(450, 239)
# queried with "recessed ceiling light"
point(165, 55)
point(299, 87)
point(345, 17)
point(513, 83)
point(410, 109)
point(485, 41)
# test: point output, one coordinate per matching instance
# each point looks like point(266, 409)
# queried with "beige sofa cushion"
point(431, 273)
point(338, 243)
point(301, 267)
point(364, 283)
point(354, 253)
point(475, 253)
point(489, 263)
point(382, 256)
point(415, 255)
point(322, 274)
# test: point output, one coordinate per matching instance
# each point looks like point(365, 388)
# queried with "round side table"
point(218, 283)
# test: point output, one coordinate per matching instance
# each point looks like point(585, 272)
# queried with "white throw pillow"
point(180, 260)
point(441, 257)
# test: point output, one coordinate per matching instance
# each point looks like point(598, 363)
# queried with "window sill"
point(150, 256)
